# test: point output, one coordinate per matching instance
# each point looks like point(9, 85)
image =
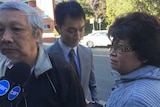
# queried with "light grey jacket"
point(43, 59)
point(140, 88)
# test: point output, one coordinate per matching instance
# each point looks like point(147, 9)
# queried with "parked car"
point(96, 38)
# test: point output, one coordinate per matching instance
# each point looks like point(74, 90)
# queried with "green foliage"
point(94, 9)
point(88, 13)
point(116, 8)
point(87, 9)
point(119, 7)
point(149, 6)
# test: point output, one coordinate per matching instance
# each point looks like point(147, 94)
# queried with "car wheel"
point(90, 44)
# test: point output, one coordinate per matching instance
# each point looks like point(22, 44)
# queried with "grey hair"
point(33, 19)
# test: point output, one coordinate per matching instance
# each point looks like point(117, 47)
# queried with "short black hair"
point(71, 8)
point(143, 33)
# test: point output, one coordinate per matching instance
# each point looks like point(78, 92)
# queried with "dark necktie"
point(72, 61)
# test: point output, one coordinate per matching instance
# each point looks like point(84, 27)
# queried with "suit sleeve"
point(92, 82)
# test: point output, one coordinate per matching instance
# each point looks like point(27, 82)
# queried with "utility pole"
point(99, 22)
point(92, 22)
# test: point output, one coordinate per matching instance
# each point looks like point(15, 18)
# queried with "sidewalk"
point(102, 102)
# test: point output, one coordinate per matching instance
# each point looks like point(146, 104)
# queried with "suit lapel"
point(81, 55)
point(57, 50)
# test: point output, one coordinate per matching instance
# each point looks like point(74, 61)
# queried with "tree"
point(116, 8)
point(149, 6)
point(94, 9)
point(119, 7)
point(99, 8)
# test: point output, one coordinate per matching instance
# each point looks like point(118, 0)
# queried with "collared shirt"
point(9, 65)
point(66, 51)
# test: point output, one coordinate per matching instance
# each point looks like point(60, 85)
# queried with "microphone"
point(15, 78)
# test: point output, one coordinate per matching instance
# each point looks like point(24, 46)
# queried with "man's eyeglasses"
point(121, 48)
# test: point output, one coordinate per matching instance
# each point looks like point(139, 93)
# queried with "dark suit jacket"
point(86, 65)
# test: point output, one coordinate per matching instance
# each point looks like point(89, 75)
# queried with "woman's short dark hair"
point(143, 33)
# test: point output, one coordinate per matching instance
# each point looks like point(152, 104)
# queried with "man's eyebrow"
point(83, 26)
point(72, 28)
point(76, 28)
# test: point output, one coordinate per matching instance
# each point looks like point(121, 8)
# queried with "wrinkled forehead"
point(13, 18)
point(7, 14)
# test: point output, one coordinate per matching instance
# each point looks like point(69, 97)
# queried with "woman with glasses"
point(135, 59)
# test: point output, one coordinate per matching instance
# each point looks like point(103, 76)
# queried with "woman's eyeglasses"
point(121, 48)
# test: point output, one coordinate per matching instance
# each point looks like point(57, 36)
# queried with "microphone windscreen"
point(19, 73)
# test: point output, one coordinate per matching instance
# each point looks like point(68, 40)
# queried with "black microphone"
point(15, 78)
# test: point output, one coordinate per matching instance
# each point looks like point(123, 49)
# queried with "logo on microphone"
point(14, 93)
point(4, 87)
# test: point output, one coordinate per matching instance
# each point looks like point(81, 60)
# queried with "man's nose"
point(7, 36)
point(78, 34)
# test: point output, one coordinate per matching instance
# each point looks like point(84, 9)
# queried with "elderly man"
point(51, 82)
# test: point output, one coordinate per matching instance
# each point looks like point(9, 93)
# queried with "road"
point(102, 72)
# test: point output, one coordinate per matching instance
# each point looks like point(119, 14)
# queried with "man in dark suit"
point(70, 24)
